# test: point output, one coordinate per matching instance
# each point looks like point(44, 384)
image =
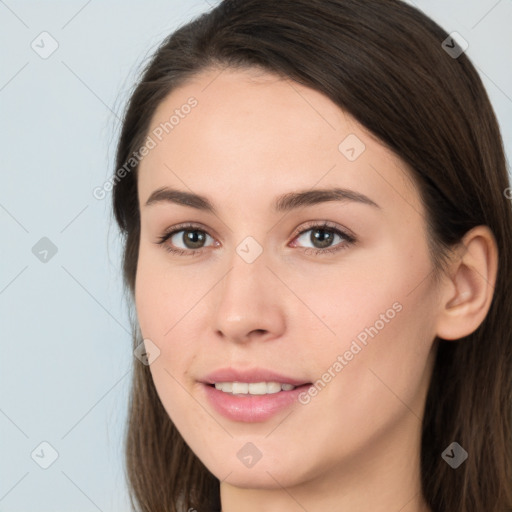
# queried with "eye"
point(322, 237)
point(193, 238)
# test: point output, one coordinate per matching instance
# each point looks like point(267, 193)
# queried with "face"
point(333, 292)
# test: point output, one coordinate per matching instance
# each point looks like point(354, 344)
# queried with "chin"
point(264, 474)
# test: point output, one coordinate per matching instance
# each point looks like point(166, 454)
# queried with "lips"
point(253, 375)
point(249, 408)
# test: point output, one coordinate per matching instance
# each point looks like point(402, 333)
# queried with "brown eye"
point(184, 240)
point(191, 239)
point(323, 236)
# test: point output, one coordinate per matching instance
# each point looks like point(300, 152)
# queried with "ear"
point(468, 289)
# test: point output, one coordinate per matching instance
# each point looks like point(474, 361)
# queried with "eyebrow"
point(284, 203)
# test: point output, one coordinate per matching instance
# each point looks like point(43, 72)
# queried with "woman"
point(318, 247)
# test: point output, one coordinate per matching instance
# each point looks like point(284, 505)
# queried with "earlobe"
point(468, 292)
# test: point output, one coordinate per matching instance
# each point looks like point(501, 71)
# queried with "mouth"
point(254, 388)
point(252, 402)
point(251, 394)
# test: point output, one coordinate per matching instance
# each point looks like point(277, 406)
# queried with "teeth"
point(256, 388)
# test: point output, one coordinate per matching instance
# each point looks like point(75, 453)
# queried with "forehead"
point(253, 133)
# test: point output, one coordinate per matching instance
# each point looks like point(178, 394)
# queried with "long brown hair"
point(383, 62)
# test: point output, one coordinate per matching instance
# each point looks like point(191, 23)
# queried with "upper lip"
point(250, 376)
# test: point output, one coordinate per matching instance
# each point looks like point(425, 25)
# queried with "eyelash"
point(347, 239)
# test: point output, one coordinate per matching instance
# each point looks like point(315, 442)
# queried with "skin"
point(355, 446)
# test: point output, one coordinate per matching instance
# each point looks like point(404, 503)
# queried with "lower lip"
point(251, 408)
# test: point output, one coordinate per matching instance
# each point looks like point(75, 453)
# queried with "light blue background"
point(66, 348)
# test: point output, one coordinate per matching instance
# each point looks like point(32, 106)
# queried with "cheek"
point(386, 358)
point(382, 316)
point(167, 301)
point(162, 316)
point(159, 295)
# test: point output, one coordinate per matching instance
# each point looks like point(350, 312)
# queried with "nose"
point(247, 302)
